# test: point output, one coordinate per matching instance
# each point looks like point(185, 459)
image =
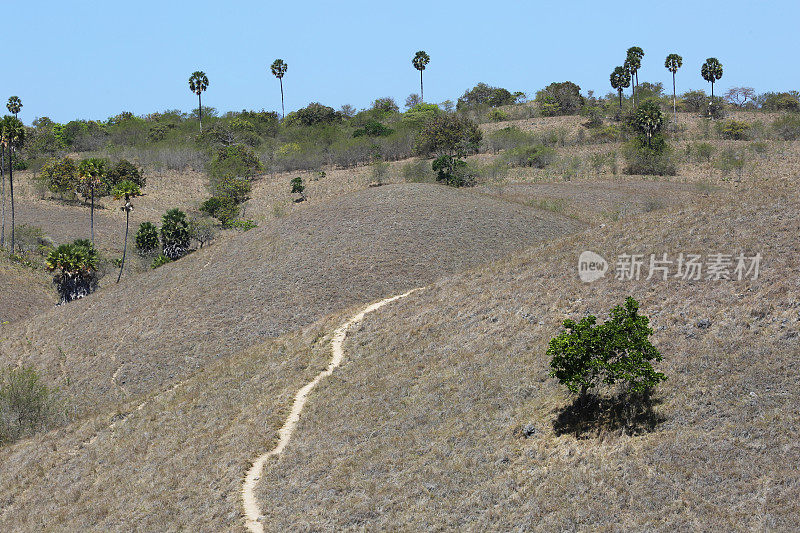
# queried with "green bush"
point(653, 160)
point(125, 170)
point(536, 156)
point(420, 114)
point(236, 160)
point(26, 403)
point(780, 102)
point(498, 115)
point(245, 225)
point(694, 101)
point(452, 171)
point(787, 127)
point(562, 98)
point(448, 134)
point(61, 176)
point(373, 128)
point(734, 129)
point(75, 270)
point(418, 171)
point(223, 208)
point(586, 354)
point(147, 238)
point(485, 95)
point(313, 114)
point(175, 238)
point(160, 260)
point(237, 189)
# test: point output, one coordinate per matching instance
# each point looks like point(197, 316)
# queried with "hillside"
point(136, 337)
point(24, 291)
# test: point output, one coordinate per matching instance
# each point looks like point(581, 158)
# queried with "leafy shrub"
point(421, 113)
point(653, 160)
point(530, 156)
point(373, 128)
point(26, 403)
point(313, 114)
point(694, 101)
point(125, 170)
point(235, 160)
point(507, 138)
point(734, 129)
point(147, 238)
point(787, 127)
point(562, 98)
point(594, 114)
point(498, 115)
point(385, 107)
point(610, 133)
point(160, 260)
point(700, 151)
point(75, 270)
point(237, 189)
point(452, 171)
point(418, 171)
point(245, 225)
point(175, 238)
point(31, 239)
point(715, 108)
point(202, 230)
point(223, 208)
point(780, 102)
point(485, 95)
point(448, 134)
point(61, 175)
point(298, 187)
point(586, 354)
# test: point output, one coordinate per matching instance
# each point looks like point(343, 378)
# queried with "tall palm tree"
point(620, 78)
point(673, 63)
point(198, 82)
point(13, 138)
point(633, 62)
point(14, 105)
point(3, 183)
point(128, 190)
point(92, 173)
point(711, 71)
point(278, 69)
point(420, 61)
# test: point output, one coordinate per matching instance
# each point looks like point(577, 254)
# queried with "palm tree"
point(13, 137)
point(620, 78)
point(14, 105)
point(278, 69)
point(198, 82)
point(128, 190)
point(633, 62)
point(92, 173)
point(711, 71)
point(3, 181)
point(673, 63)
point(420, 61)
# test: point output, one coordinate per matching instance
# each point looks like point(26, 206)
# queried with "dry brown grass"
point(422, 424)
point(24, 291)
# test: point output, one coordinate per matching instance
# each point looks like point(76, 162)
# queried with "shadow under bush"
point(592, 415)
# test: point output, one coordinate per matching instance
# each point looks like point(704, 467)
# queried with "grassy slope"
point(421, 425)
point(150, 330)
point(23, 291)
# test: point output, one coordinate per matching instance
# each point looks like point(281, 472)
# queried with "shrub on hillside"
point(313, 114)
point(202, 230)
point(175, 238)
point(74, 268)
point(26, 403)
point(781, 102)
point(160, 260)
point(147, 238)
point(562, 98)
point(734, 129)
point(448, 134)
point(235, 160)
point(125, 170)
point(223, 208)
point(485, 95)
point(373, 128)
point(694, 101)
point(536, 156)
point(61, 176)
point(420, 114)
point(453, 171)
point(653, 160)
point(787, 127)
point(418, 171)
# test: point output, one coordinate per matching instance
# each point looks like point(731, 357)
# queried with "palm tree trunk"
point(620, 100)
point(3, 179)
point(200, 109)
point(283, 109)
point(421, 89)
point(674, 100)
point(125, 245)
point(91, 214)
point(712, 90)
point(11, 184)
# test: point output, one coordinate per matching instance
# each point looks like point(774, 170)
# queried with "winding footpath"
point(252, 513)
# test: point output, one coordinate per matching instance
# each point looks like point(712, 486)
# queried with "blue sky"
point(92, 60)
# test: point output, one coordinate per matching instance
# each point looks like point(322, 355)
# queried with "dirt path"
point(252, 513)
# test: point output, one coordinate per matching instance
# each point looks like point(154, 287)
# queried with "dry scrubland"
point(422, 426)
point(138, 336)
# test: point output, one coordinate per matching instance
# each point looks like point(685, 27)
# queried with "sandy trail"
point(252, 513)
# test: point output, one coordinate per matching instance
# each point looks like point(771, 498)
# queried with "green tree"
point(26, 403)
point(420, 61)
point(147, 238)
point(634, 57)
point(12, 137)
point(128, 190)
point(711, 72)
point(61, 175)
point(75, 269)
point(586, 354)
point(620, 79)
point(125, 170)
point(175, 236)
point(14, 105)
point(278, 69)
point(673, 63)
point(648, 120)
point(198, 82)
point(298, 187)
point(562, 98)
point(91, 178)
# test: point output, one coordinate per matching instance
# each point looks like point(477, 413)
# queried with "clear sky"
point(93, 60)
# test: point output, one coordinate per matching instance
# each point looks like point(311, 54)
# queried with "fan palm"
point(620, 78)
point(92, 173)
point(420, 61)
point(279, 68)
point(128, 190)
point(12, 137)
point(198, 82)
point(673, 63)
point(711, 71)
point(633, 62)
point(14, 105)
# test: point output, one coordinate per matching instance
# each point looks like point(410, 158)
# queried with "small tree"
point(711, 72)
point(12, 137)
point(620, 79)
point(420, 61)
point(125, 170)
point(75, 270)
point(26, 403)
point(298, 188)
point(147, 238)
point(128, 190)
point(175, 236)
point(198, 82)
point(586, 354)
point(14, 106)
point(201, 230)
point(91, 178)
point(61, 176)
point(648, 120)
point(673, 63)
point(634, 63)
